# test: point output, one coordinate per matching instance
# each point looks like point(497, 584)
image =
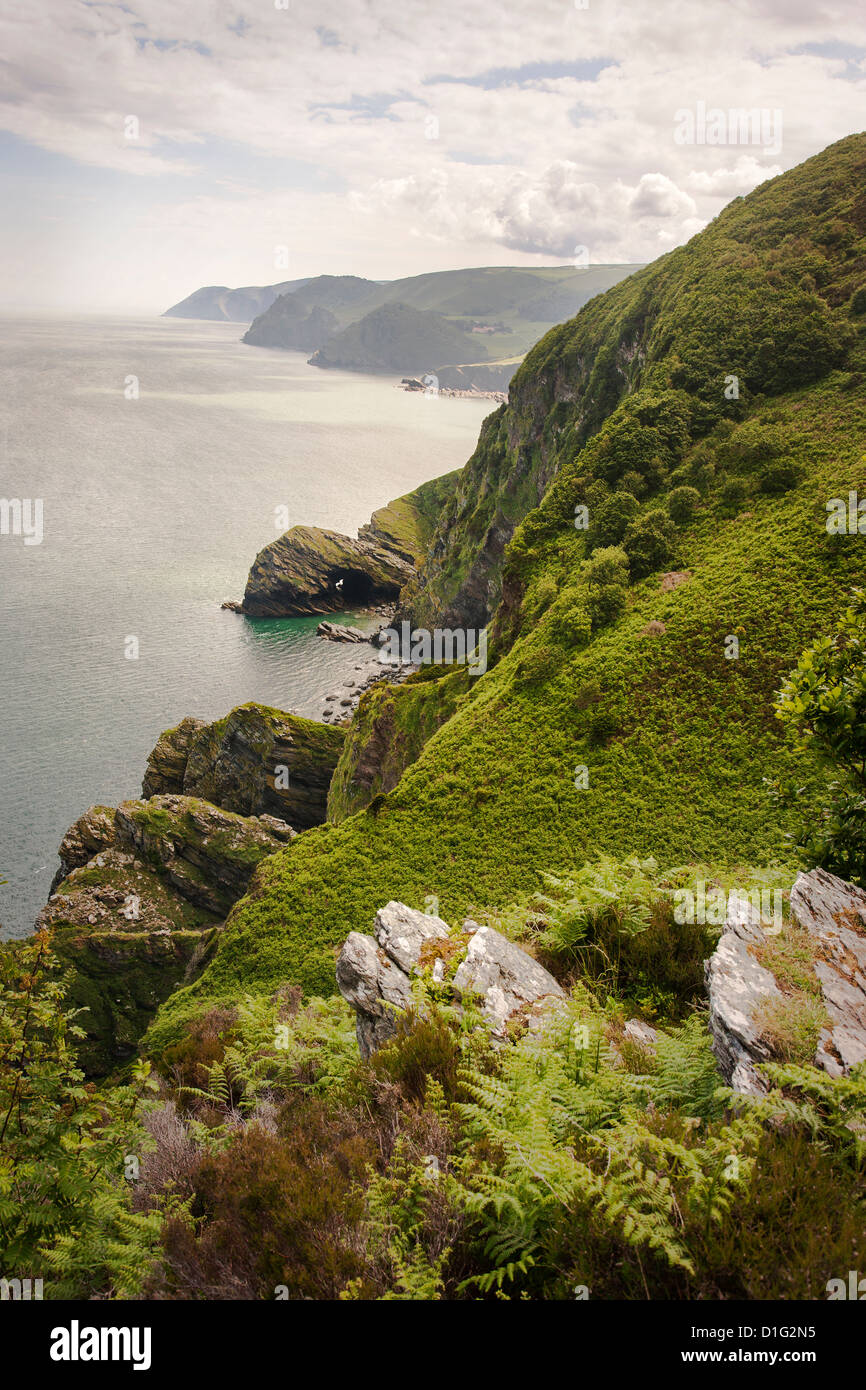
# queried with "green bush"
point(609, 523)
point(858, 301)
point(649, 542)
point(683, 502)
point(606, 579)
point(732, 496)
point(778, 476)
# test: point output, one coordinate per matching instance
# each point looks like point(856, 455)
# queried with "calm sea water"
point(154, 509)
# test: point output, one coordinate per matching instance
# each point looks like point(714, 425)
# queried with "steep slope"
point(761, 295)
point(617, 715)
point(396, 338)
point(303, 320)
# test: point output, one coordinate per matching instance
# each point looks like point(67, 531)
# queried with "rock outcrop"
point(207, 854)
point(738, 987)
point(256, 761)
point(340, 632)
point(166, 763)
point(143, 891)
point(311, 570)
point(374, 973)
point(833, 913)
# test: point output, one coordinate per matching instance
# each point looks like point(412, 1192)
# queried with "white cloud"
point(251, 119)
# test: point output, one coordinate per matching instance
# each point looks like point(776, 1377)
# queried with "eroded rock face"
point(738, 987)
point(256, 761)
point(90, 834)
point(262, 761)
point(311, 570)
point(136, 917)
point(834, 914)
point(166, 764)
point(374, 973)
point(209, 855)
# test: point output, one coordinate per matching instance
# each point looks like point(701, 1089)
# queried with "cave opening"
point(357, 589)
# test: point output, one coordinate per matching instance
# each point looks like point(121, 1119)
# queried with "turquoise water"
point(154, 509)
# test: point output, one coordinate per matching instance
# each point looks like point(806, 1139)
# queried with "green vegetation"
point(66, 1213)
point(569, 1164)
point(700, 416)
point(823, 704)
point(425, 322)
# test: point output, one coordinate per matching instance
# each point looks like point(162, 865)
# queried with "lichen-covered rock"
point(91, 833)
point(311, 570)
point(262, 761)
point(256, 761)
point(130, 939)
point(505, 977)
point(208, 854)
point(834, 914)
point(135, 918)
point(166, 764)
point(738, 987)
point(374, 973)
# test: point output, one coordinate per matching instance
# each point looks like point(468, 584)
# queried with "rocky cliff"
point(255, 761)
point(311, 570)
point(141, 890)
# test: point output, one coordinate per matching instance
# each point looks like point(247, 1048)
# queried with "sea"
point(162, 455)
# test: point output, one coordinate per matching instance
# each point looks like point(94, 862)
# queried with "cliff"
point(705, 511)
point(311, 570)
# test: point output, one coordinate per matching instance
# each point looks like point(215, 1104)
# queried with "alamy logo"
point(22, 516)
point(854, 1288)
point(76, 1343)
point(420, 647)
point(846, 518)
point(739, 125)
point(20, 1290)
point(713, 907)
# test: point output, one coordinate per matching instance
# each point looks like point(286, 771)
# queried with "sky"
point(153, 146)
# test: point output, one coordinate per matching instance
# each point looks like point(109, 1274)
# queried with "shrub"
point(683, 502)
point(649, 542)
point(609, 523)
point(732, 496)
point(606, 579)
point(753, 444)
point(858, 301)
point(779, 475)
point(823, 705)
point(423, 1048)
point(271, 1210)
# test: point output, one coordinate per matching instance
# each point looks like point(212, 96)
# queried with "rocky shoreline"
point(339, 705)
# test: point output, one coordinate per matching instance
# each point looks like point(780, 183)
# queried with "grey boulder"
point(374, 973)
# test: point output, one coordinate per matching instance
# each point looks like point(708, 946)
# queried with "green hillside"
point(424, 322)
point(611, 647)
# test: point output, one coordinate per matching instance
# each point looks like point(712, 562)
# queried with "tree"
point(823, 705)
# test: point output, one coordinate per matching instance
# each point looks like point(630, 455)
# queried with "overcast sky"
point(153, 146)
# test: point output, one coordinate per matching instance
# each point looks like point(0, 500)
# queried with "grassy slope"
point(761, 293)
point(491, 799)
point(677, 762)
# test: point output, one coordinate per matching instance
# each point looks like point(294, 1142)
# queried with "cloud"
point(458, 134)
